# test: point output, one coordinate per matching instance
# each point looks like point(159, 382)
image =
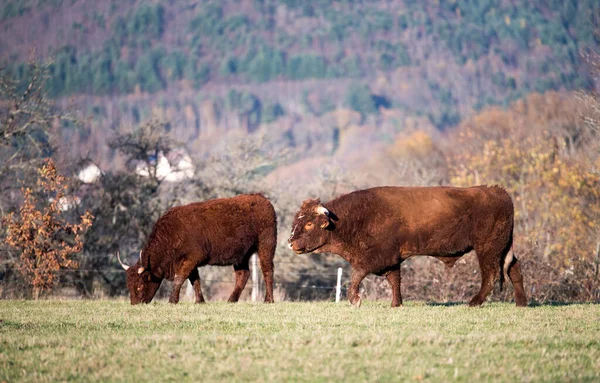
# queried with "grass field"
point(111, 340)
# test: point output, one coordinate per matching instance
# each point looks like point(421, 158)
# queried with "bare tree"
point(27, 117)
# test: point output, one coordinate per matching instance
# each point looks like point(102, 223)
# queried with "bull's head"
point(311, 227)
point(141, 283)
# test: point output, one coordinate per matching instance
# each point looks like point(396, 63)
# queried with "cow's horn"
point(121, 262)
point(141, 269)
point(322, 210)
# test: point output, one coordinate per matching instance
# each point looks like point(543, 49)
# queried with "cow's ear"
point(140, 270)
point(325, 224)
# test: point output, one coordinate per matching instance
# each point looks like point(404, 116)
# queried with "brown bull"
point(376, 229)
point(219, 232)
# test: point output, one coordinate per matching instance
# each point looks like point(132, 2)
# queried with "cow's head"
point(311, 227)
point(141, 283)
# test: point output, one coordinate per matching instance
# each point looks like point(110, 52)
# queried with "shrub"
point(46, 240)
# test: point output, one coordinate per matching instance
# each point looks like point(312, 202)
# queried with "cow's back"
point(217, 232)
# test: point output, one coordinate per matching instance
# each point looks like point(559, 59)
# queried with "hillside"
point(439, 60)
point(300, 100)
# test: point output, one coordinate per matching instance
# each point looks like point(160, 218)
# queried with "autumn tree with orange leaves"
point(47, 241)
point(539, 150)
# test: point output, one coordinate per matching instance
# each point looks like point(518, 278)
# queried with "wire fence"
point(286, 277)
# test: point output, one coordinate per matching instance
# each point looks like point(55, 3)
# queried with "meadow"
point(59, 340)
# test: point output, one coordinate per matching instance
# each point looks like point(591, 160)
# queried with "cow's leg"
point(395, 280)
point(195, 281)
point(242, 272)
point(182, 273)
point(357, 276)
point(489, 265)
point(177, 283)
point(266, 265)
point(267, 243)
point(516, 278)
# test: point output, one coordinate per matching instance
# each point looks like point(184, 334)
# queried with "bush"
point(46, 240)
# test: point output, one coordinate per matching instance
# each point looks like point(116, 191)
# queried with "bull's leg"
point(357, 277)
point(242, 272)
point(516, 278)
point(395, 280)
point(490, 272)
point(195, 281)
point(177, 283)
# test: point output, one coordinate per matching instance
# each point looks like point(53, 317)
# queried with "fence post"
point(254, 277)
point(189, 290)
point(338, 286)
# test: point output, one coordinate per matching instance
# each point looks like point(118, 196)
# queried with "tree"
point(359, 98)
point(554, 186)
point(26, 138)
point(126, 204)
point(25, 129)
point(46, 240)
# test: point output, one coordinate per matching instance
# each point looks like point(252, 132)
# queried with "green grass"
point(111, 340)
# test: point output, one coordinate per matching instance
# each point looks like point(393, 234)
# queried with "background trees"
point(300, 100)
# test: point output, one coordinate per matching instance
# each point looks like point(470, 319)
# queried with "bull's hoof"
point(521, 303)
point(357, 303)
point(269, 300)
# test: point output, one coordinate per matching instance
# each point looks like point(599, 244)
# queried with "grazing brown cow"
point(221, 232)
point(376, 229)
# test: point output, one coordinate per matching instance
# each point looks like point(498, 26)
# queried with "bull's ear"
point(140, 270)
point(324, 221)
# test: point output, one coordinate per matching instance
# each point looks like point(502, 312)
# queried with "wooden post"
point(255, 286)
point(338, 286)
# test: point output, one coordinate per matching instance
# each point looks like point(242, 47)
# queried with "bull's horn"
point(322, 210)
point(121, 262)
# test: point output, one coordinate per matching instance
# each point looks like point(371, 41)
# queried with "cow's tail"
point(506, 260)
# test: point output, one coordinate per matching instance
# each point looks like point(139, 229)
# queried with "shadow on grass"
point(447, 304)
point(530, 304)
point(558, 304)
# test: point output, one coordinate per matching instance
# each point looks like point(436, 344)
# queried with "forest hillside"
point(144, 105)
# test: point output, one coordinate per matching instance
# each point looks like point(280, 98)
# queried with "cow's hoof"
point(475, 302)
point(357, 303)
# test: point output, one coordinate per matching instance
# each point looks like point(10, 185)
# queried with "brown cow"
point(376, 229)
point(221, 232)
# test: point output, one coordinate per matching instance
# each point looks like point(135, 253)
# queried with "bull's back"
point(433, 220)
point(428, 205)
